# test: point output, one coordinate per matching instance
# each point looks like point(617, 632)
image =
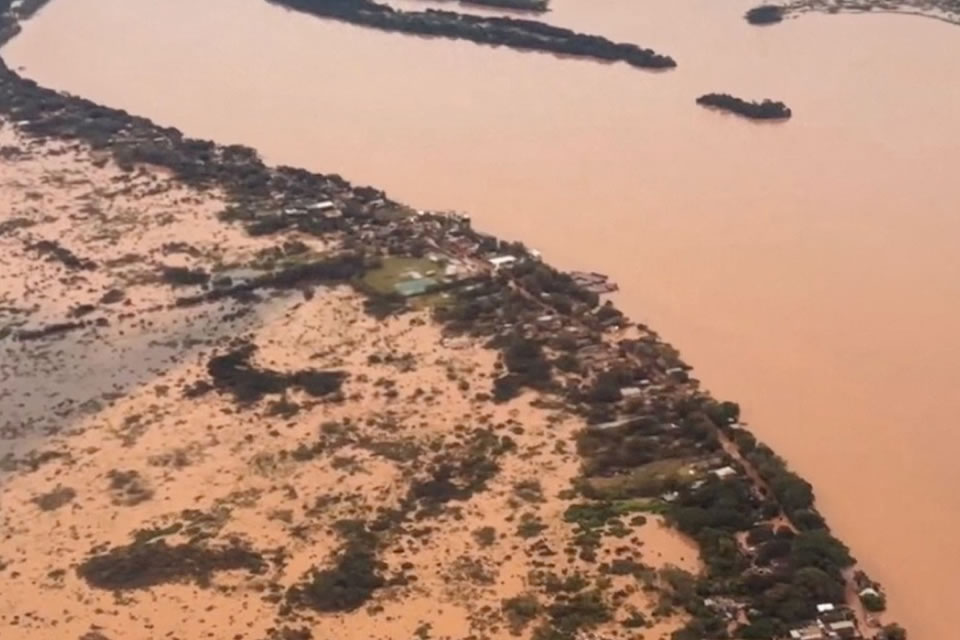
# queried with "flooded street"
point(808, 270)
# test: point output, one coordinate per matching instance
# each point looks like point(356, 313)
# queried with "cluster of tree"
point(55, 251)
point(47, 331)
point(27, 8)
point(527, 367)
point(459, 472)
point(184, 277)
point(345, 267)
point(765, 14)
point(793, 493)
point(355, 576)
point(892, 632)
point(638, 443)
point(722, 413)
point(145, 564)
point(233, 373)
point(765, 110)
point(712, 514)
point(557, 288)
point(512, 32)
point(9, 27)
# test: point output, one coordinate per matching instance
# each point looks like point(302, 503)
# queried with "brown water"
point(808, 270)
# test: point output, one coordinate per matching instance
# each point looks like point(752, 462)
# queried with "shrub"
point(874, 602)
point(520, 610)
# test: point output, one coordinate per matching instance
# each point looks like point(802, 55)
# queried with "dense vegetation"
point(524, 5)
point(143, 565)
point(511, 32)
point(351, 581)
point(765, 110)
point(234, 373)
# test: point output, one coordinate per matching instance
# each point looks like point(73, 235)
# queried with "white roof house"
point(323, 205)
point(724, 472)
point(844, 628)
point(825, 607)
point(502, 261)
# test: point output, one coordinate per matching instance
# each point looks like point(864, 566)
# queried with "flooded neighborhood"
point(806, 269)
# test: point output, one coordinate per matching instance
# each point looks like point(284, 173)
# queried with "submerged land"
point(256, 401)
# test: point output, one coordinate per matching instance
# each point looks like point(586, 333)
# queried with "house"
point(811, 632)
point(630, 392)
point(724, 472)
point(415, 287)
point(323, 205)
point(603, 426)
point(825, 607)
point(502, 261)
point(844, 629)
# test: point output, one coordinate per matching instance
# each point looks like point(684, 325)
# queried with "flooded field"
point(808, 270)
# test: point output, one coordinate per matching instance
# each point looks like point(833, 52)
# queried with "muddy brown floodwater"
point(809, 270)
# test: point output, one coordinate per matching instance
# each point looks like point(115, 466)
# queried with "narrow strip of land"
point(511, 32)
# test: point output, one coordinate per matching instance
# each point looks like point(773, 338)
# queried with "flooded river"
point(809, 270)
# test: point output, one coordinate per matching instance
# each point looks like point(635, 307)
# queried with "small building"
point(415, 287)
point(844, 629)
point(826, 607)
point(630, 392)
point(502, 261)
point(323, 205)
point(811, 632)
point(724, 472)
point(614, 424)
